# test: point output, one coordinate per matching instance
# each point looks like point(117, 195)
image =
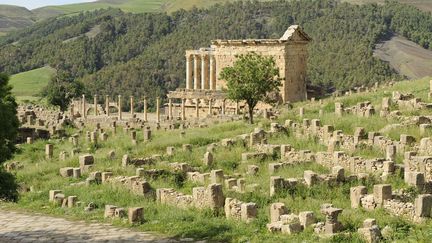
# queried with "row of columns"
point(200, 71)
point(119, 105)
point(170, 107)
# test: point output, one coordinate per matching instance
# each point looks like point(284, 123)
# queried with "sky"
point(32, 4)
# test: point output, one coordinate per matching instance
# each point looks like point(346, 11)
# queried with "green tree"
point(8, 119)
point(252, 78)
point(62, 89)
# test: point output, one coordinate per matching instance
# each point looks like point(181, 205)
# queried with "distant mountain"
point(14, 17)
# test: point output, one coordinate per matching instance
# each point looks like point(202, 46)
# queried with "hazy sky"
point(31, 4)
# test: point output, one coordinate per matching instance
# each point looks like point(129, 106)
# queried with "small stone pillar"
point(208, 159)
point(301, 111)
point(29, 140)
point(145, 108)
point(183, 110)
point(95, 104)
point(237, 109)
point(170, 111)
point(132, 105)
point(391, 152)
point(223, 106)
point(119, 107)
point(339, 109)
point(49, 151)
point(84, 108)
point(197, 109)
point(107, 112)
point(430, 89)
point(210, 107)
point(158, 109)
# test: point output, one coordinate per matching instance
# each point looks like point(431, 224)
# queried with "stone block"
point(170, 151)
point(252, 169)
point(109, 211)
point(76, 173)
point(339, 172)
point(216, 176)
point(86, 161)
point(276, 210)
point(391, 152)
point(71, 201)
point(423, 205)
point(136, 215)
point(208, 159)
point(66, 172)
point(356, 194)
point(307, 218)
point(106, 176)
point(310, 177)
point(274, 167)
point(249, 211)
point(291, 228)
point(381, 193)
point(53, 193)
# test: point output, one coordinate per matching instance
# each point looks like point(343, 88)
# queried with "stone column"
point(84, 106)
point(197, 108)
point(189, 70)
point(212, 73)
point(237, 108)
point(107, 105)
point(170, 115)
point(210, 107)
point(197, 72)
point(183, 110)
point(223, 107)
point(145, 108)
point(157, 109)
point(95, 104)
point(72, 110)
point(119, 104)
point(132, 105)
point(205, 71)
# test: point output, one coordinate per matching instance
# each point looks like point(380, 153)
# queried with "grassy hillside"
point(27, 85)
point(134, 6)
point(43, 175)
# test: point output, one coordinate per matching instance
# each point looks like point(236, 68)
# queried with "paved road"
point(19, 227)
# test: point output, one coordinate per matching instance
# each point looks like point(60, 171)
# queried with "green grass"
point(43, 175)
point(27, 85)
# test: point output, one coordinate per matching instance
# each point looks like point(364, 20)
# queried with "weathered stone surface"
point(136, 215)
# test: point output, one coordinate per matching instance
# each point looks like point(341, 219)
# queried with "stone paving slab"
point(20, 227)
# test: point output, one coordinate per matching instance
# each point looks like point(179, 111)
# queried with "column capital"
point(189, 57)
point(205, 56)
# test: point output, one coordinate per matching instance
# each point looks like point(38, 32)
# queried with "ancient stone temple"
point(290, 53)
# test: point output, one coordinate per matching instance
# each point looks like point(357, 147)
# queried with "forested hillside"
point(143, 54)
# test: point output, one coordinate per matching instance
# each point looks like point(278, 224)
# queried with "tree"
point(61, 89)
point(252, 78)
point(8, 119)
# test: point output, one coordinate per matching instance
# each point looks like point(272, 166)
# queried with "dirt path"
point(19, 227)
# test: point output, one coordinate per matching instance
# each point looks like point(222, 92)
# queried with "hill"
point(27, 85)
point(408, 58)
point(14, 17)
point(425, 5)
